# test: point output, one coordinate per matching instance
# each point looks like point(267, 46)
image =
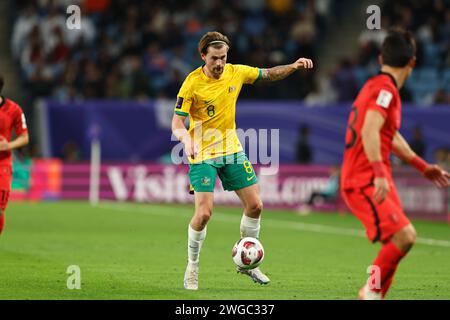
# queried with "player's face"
point(215, 60)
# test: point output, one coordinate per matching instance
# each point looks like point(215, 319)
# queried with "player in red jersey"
point(366, 182)
point(11, 118)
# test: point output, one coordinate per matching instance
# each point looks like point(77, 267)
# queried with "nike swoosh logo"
point(250, 178)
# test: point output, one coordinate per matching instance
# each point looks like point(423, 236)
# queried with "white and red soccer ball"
point(248, 253)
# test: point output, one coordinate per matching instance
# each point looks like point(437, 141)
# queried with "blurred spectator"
point(328, 193)
point(344, 81)
point(441, 97)
point(96, 5)
point(22, 163)
point(71, 152)
point(23, 26)
point(113, 86)
point(280, 6)
point(323, 9)
point(54, 19)
point(417, 143)
point(87, 34)
point(134, 79)
point(304, 152)
point(93, 81)
point(33, 51)
point(321, 93)
point(253, 5)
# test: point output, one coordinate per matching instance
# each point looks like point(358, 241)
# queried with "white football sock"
point(195, 242)
point(250, 227)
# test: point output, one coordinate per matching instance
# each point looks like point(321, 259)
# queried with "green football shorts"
point(235, 171)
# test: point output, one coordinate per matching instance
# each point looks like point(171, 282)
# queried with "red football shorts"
point(5, 186)
point(380, 220)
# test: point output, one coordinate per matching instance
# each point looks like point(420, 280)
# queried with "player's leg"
point(4, 197)
point(196, 237)
point(362, 209)
point(202, 177)
point(400, 236)
point(251, 218)
point(405, 239)
point(250, 225)
point(392, 252)
point(383, 222)
point(2, 220)
point(197, 225)
point(240, 177)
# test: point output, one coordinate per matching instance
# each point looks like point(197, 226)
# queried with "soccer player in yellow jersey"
point(208, 96)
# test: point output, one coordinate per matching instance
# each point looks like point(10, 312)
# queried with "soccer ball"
point(248, 253)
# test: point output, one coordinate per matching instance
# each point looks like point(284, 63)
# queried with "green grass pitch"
point(138, 251)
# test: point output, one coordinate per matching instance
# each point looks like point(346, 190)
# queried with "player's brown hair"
point(2, 82)
point(398, 48)
point(214, 39)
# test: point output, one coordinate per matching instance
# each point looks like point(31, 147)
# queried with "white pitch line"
point(285, 224)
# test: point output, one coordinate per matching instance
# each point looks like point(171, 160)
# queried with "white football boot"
point(256, 275)
point(191, 276)
point(366, 294)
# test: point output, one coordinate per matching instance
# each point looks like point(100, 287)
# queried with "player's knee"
point(406, 238)
point(203, 214)
point(254, 208)
point(410, 237)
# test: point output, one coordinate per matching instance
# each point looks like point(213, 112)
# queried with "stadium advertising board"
point(289, 188)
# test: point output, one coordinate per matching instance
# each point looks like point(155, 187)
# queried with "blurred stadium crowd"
point(430, 23)
point(144, 49)
point(131, 49)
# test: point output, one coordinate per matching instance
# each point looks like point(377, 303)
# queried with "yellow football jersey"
point(211, 106)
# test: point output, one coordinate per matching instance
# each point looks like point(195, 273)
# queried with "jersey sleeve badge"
point(384, 98)
point(179, 103)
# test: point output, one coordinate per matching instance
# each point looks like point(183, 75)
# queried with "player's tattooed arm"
point(281, 72)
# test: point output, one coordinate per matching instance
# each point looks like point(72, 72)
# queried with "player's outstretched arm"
point(281, 72)
point(20, 141)
point(432, 172)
